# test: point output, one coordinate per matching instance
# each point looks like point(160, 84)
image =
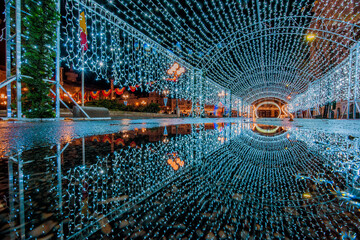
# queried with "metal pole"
point(59, 177)
point(82, 77)
point(349, 87)
point(356, 79)
point(11, 199)
point(83, 150)
point(21, 196)
point(8, 57)
point(201, 94)
point(18, 58)
point(230, 104)
point(57, 73)
point(225, 102)
point(243, 108)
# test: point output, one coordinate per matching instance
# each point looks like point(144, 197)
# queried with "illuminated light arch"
point(265, 94)
point(244, 29)
point(217, 53)
point(268, 131)
point(267, 102)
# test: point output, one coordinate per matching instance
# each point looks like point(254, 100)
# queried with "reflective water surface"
point(192, 181)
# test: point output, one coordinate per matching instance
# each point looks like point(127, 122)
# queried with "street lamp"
point(166, 92)
point(125, 97)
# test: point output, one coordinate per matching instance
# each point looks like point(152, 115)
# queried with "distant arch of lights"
point(267, 102)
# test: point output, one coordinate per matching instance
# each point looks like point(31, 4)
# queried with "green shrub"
point(39, 54)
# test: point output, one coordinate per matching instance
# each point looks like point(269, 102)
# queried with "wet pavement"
point(180, 179)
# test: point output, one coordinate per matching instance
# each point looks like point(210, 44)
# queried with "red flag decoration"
point(106, 139)
point(83, 32)
point(120, 141)
point(95, 139)
point(151, 83)
point(106, 93)
point(133, 89)
point(80, 95)
point(132, 144)
point(119, 91)
point(94, 94)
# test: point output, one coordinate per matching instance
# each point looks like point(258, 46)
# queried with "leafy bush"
point(152, 108)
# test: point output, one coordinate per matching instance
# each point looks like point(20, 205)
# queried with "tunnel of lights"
point(230, 52)
point(234, 177)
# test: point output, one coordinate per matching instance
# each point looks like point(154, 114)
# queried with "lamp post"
point(165, 92)
point(221, 95)
point(125, 97)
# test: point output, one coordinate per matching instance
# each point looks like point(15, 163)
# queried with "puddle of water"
point(215, 180)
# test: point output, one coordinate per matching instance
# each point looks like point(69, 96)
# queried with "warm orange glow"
point(310, 37)
point(180, 71)
point(174, 161)
point(176, 71)
point(173, 69)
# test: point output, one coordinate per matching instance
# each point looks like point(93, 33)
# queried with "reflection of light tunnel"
point(263, 103)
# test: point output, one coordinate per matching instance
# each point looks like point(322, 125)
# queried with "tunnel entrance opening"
point(270, 108)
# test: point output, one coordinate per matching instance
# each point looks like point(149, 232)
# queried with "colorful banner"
point(80, 95)
point(106, 139)
point(119, 91)
point(106, 93)
point(95, 139)
point(133, 88)
point(94, 94)
point(83, 31)
point(120, 141)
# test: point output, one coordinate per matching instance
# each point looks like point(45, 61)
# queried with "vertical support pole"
point(11, 199)
point(21, 196)
point(83, 151)
point(18, 58)
point(202, 110)
point(82, 77)
point(243, 109)
point(8, 56)
point(230, 105)
point(112, 89)
point(57, 65)
point(349, 87)
point(225, 102)
point(59, 188)
point(356, 79)
point(192, 87)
